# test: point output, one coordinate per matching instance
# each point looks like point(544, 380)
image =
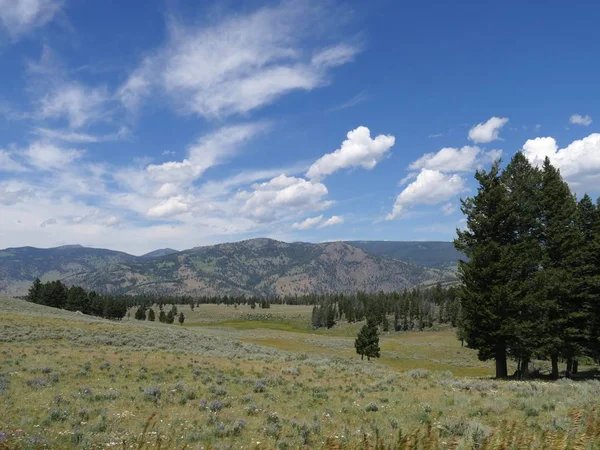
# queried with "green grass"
point(294, 327)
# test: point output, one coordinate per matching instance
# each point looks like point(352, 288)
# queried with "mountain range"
point(252, 267)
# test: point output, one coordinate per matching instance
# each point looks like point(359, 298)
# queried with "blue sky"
point(176, 123)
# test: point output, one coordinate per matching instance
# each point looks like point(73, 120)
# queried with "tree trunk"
point(554, 359)
point(362, 356)
point(575, 366)
point(569, 369)
point(525, 369)
point(501, 367)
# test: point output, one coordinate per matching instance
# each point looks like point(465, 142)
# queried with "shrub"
point(371, 407)
point(152, 393)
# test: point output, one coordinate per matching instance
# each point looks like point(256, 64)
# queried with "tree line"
point(531, 281)
point(412, 309)
point(75, 298)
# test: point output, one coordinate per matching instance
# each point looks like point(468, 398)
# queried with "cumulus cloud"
point(579, 162)
point(169, 208)
point(333, 220)
point(308, 223)
point(280, 196)
point(578, 119)
point(431, 187)
point(237, 64)
point(489, 131)
point(359, 150)
point(19, 17)
point(46, 156)
point(451, 159)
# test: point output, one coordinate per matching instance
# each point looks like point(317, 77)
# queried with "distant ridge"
point(438, 254)
point(251, 267)
point(158, 253)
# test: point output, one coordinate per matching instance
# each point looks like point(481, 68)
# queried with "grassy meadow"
point(263, 379)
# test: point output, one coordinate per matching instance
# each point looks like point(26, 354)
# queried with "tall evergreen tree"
point(587, 276)
point(560, 313)
point(181, 318)
point(151, 315)
point(487, 313)
point(520, 261)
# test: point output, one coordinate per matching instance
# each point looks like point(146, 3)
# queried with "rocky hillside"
point(260, 267)
point(20, 266)
point(428, 253)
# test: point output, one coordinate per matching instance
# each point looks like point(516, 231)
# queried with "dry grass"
point(70, 381)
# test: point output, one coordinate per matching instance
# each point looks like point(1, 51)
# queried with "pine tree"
point(140, 313)
point(587, 279)
point(35, 291)
point(367, 341)
point(181, 318)
point(170, 317)
point(483, 297)
point(151, 315)
point(329, 315)
point(162, 317)
point(562, 324)
point(521, 261)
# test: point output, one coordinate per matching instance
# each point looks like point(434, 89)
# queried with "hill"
point(260, 267)
point(158, 253)
point(20, 266)
point(428, 253)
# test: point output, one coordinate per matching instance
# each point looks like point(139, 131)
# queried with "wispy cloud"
point(19, 17)
point(240, 63)
point(359, 98)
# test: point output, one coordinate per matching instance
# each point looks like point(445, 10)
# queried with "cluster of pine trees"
point(531, 284)
point(144, 313)
point(415, 309)
point(75, 298)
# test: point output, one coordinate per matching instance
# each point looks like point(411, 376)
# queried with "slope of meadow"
point(242, 378)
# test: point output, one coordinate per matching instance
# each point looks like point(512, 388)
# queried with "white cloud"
point(237, 64)
point(281, 196)
point(8, 163)
point(359, 150)
point(308, 223)
point(578, 119)
point(169, 208)
point(46, 156)
point(19, 17)
point(579, 162)
point(11, 196)
point(451, 159)
point(75, 102)
point(174, 177)
point(75, 137)
point(430, 188)
point(489, 131)
point(448, 209)
point(333, 220)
